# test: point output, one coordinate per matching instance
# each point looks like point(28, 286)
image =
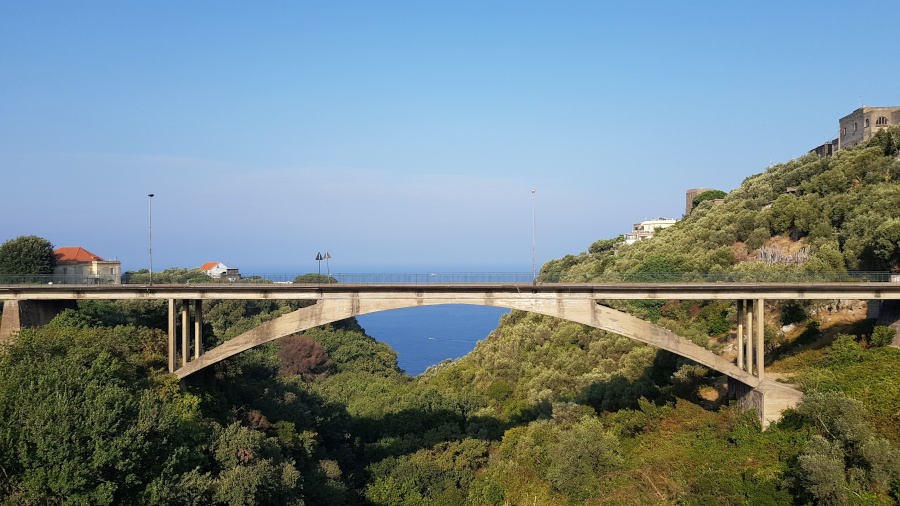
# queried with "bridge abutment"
point(18, 314)
point(887, 313)
point(769, 399)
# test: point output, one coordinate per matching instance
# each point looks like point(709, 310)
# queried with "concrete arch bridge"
point(29, 304)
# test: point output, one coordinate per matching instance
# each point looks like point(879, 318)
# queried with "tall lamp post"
point(150, 214)
point(533, 243)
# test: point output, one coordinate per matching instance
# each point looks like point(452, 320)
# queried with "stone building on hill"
point(858, 127)
point(863, 123)
point(689, 197)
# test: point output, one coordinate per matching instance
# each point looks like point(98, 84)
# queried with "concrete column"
point(10, 324)
point(748, 347)
point(198, 328)
point(760, 340)
point(185, 331)
point(171, 335)
point(740, 334)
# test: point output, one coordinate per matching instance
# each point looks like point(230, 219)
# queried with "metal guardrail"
point(473, 277)
point(722, 277)
point(60, 279)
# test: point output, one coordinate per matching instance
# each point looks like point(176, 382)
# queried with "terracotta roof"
point(72, 254)
point(208, 265)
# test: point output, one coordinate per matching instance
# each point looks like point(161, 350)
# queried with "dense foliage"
point(542, 411)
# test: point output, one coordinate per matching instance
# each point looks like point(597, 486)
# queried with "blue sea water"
point(426, 335)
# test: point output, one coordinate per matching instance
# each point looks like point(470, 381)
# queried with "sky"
point(404, 136)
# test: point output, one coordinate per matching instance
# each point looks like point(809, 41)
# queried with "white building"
point(218, 270)
point(645, 229)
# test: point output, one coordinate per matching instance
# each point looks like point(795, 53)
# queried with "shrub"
point(792, 312)
point(757, 239)
point(301, 355)
point(882, 336)
point(845, 350)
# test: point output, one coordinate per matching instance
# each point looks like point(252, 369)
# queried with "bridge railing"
point(60, 279)
point(720, 277)
point(473, 277)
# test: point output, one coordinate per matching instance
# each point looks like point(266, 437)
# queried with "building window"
point(855, 127)
point(881, 121)
point(65, 270)
point(867, 122)
point(844, 134)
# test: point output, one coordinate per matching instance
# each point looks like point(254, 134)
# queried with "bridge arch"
point(586, 312)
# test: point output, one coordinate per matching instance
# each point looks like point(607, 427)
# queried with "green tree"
point(882, 336)
point(312, 277)
point(253, 469)
point(27, 254)
point(708, 195)
point(605, 244)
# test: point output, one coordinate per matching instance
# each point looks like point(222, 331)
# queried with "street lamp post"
point(533, 244)
point(150, 214)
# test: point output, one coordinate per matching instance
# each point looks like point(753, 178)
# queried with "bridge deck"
point(461, 291)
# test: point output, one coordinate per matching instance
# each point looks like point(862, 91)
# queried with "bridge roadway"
point(574, 302)
point(462, 291)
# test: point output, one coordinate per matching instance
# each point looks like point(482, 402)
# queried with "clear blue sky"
point(407, 136)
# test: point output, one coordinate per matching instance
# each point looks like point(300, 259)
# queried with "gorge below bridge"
point(33, 305)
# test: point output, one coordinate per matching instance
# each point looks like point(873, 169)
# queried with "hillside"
point(844, 210)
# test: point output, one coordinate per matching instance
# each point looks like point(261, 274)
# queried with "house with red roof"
point(80, 266)
point(218, 270)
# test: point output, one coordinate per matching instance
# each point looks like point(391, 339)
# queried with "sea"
point(427, 335)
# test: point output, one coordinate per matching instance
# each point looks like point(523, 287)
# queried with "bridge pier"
point(748, 311)
point(171, 335)
point(185, 352)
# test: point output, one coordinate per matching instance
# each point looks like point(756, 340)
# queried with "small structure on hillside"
point(80, 266)
point(645, 229)
point(218, 270)
point(826, 149)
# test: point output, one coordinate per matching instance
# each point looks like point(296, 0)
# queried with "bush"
point(314, 278)
point(882, 336)
point(303, 356)
point(757, 239)
point(792, 312)
point(845, 350)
